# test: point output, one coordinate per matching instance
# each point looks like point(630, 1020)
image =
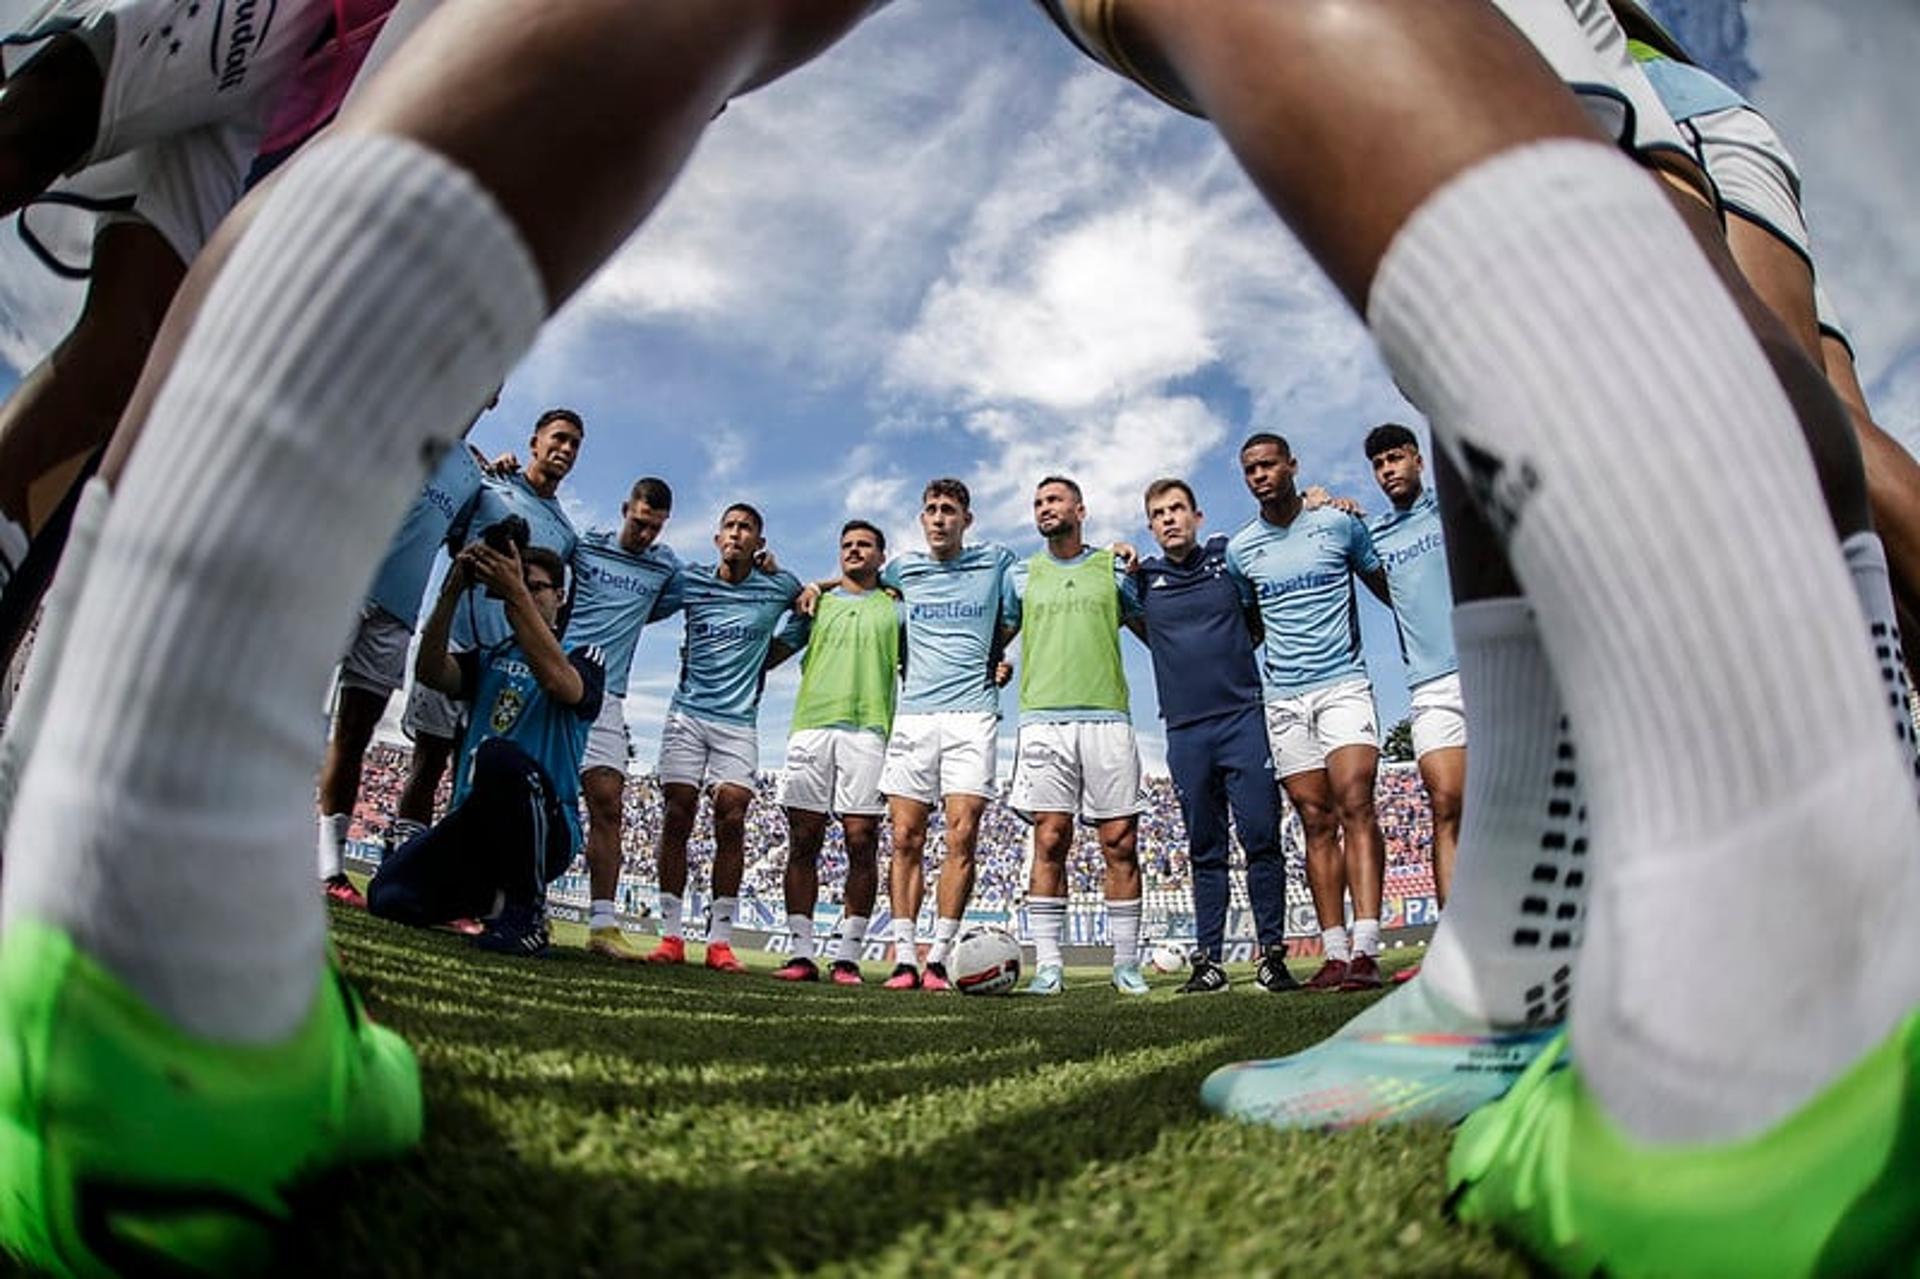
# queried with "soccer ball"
point(985, 961)
point(1166, 958)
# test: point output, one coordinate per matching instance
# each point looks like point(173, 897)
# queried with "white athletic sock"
point(906, 949)
point(600, 914)
point(672, 915)
point(333, 843)
point(720, 921)
point(1123, 930)
point(29, 710)
point(377, 299)
point(853, 935)
point(1733, 732)
point(1366, 938)
point(800, 928)
point(1867, 566)
point(1047, 917)
point(944, 931)
point(1504, 951)
point(1334, 942)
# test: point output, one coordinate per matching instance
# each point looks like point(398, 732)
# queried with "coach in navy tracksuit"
point(1202, 626)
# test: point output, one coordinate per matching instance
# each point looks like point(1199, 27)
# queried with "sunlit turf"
point(592, 1118)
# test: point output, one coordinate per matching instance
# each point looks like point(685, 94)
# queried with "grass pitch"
point(591, 1118)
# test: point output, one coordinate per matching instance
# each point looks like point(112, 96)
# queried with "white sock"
point(333, 844)
point(944, 931)
point(376, 300)
point(906, 949)
point(1334, 942)
point(1047, 917)
point(1123, 930)
point(1504, 951)
point(29, 710)
point(720, 921)
point(1366, 938)
point(672, 915)
point(800, 928)
point(853, 935)
point(1733, 732)
point(1867, 566)
point(601, 914)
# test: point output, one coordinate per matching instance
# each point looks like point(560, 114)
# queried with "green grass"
point(591, 1118)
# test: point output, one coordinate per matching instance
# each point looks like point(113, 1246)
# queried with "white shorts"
point(1831, 325)
point(834, 770)
point(1439, 715)
point(1092, 769)
point(1755, 173)
point(431, 713)
point(376, 660)
point(705, 752)
point(187, 94)
point(608, 745)
point(1302, 731)
point(934, 754)
point(1592, 57)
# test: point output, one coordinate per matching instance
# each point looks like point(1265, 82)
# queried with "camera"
point(508, 536)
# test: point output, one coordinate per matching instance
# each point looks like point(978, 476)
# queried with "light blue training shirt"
point(1303, 577)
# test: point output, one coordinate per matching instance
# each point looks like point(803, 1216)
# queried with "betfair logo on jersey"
point(238, 29)
point(1301, 582)
point(506, 710)
point(952, 611)
point(1412, 551)
point(1068, 606)
point(634, 583)
point(723, 632)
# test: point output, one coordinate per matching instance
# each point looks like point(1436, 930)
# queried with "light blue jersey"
point(615, 594)
point(1411, 546)
point(954, 609)
point(1303, 577)
point(481, 621)
point(1130, 607)
point(1686, 91)
point(729, 630)
point(509, 703)
point(445, 502)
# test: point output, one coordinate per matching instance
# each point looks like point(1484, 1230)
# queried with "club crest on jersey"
point(506, 710)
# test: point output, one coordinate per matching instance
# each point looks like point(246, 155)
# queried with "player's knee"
point(1446, 805)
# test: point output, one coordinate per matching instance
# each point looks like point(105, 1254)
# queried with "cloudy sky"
point(953, 246)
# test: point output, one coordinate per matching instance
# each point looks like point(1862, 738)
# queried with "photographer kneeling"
point(515, 823)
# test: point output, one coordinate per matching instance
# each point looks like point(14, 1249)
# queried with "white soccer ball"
point(1166, 957)
point(985, 961)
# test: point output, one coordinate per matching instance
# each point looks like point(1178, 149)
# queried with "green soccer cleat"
point(1834, 1189)
point(127, 1146)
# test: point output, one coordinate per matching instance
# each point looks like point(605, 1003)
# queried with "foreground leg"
point(605, 792)
point(805, 833)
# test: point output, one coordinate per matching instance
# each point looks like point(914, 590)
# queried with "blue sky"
point(953, 246)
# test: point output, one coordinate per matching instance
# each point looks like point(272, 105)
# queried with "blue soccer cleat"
point(1048, 979)
point(1128, 980)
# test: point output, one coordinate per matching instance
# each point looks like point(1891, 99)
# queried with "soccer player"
point(841, 718)
point(376, 659)
point(709, 742)
point(1321, 721)
point(620, 581)
point(1077, 757)
point(433, 720)
point(1412, 545)
point(1202, 624)
point(515, 822)
point(946, 734)
point(1458, 196)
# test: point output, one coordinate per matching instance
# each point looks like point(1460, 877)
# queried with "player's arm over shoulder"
point(589, 667)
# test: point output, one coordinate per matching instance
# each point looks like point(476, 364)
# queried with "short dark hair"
point(1390, 435)
point(558, 415)
point(1267, 437)
point(543, 558)
point(879, 538)
point(1060, 479)
point(1158, 487)
point(947, 486)
point(651, 491)
point(750, 511)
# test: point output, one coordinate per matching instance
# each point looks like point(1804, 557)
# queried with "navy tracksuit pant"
point(1223, 765)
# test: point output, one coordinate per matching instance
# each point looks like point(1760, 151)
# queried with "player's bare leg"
point(1119, 850)
point(729, 868)
point(1311, 794)
point(956, 883)
point(425, 769)
point(679, 805)
point(49, 114)
point(605, 790)
point(862, 889)
point(1351, 774)
point(1443, 773)
point(356, 713)
point(1047, 899)
point(907, 887)
point(800, 882)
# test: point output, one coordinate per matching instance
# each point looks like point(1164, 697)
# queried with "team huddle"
point(1256, 654)
point(1584, 262)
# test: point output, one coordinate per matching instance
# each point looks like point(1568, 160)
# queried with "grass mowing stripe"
point(592, 1118)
